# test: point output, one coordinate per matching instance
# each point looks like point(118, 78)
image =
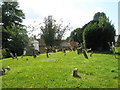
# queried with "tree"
point(52, 32)
point(76, 35)
point(11, 14)
point(17, 40)
point(99, 15)
point(92, 36)
point(14, 34)
point(98, 33)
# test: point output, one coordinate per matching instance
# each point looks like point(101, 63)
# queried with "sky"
point(76, 12)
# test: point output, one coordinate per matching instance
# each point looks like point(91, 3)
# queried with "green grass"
point(117, 49)
point(99, 71)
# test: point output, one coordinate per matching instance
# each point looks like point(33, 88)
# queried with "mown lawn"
point(99, 71)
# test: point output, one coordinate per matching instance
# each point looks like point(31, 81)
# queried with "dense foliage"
point(95, 34)
point(14, 35)
point(52, 32)
point(98, 33)
point(76, 35)
point(17, 40)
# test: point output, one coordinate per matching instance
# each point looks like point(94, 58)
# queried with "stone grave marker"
point(85, 54)
point(16, 56)
point(12, 55)
point(75, 73)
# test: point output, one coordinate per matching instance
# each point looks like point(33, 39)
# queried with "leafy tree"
point(92, 36)
point(52, 32)
point(99, 15)
point(14, 35)
point(98, 33)
point(76, 35)
point(11, 14)
point(48, 31)
point(17, 40)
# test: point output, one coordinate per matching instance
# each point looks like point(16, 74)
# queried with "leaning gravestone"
point(91, 53)
point(79, 50)
point(4, 70)
point(75, 71)
point(12, 55)
point(85, 54)
point(16, 56)
point(64, 51)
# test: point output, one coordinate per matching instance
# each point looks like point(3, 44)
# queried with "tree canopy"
point(99, 15)
point(76, 35)
point(95, 34)
point(52, 32)
point(98, 33)
point(14, 34)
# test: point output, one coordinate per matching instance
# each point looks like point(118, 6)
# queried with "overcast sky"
point(75, 12)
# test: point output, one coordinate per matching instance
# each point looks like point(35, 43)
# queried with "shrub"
point(5, 53)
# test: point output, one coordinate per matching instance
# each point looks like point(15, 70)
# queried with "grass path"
point(99, 71)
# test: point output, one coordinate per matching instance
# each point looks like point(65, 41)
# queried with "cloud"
point(76, 12)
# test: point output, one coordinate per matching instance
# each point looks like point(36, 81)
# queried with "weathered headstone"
point(79, 50)
point(24, 53)
point(113, 50)
point(8, 67)
point(75, 71)
point(3, 71)
point(16, 56)
point(91, 53)
point(64, 51)
point(34, 54)
point(12, 55)
point(47, 51)
point(85, 54)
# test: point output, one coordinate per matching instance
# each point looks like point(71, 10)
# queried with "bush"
point(5, 53)
point(96, 35)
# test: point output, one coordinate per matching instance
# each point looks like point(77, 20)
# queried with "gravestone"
point(85, 54)
point(24, 53)
point(8, 67)
point(47, 51)
point(75, 71)
point(34, 54)
point(91, 53)
point(3, 71)
point(64, 51)
point(16, 56)
point(12, 55)
point(79, 50)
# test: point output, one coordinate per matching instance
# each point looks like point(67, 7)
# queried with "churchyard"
point(98, 71)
